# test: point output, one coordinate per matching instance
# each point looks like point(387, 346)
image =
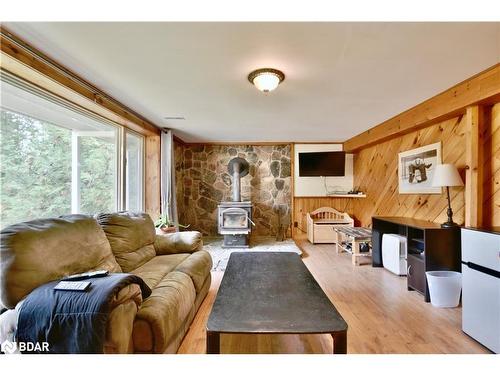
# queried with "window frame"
point(142, 168)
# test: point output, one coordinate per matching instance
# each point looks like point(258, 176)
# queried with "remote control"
point(86, 275)
point(73, 286)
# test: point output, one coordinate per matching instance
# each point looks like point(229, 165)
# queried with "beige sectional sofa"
point(173, 265)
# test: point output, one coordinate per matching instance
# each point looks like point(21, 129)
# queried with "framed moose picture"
point(416, 169)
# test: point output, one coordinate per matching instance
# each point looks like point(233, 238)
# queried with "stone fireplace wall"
point(203, 182)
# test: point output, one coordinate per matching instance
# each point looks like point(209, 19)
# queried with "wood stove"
point(235, 218)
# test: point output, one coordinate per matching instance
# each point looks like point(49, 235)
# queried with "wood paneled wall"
point(491, 182)
point(152, 176)
point(376, 173)
point(466, 119)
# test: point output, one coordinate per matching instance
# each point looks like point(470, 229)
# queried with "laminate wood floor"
point(383, 317)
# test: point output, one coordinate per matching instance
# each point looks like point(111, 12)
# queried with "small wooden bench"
point(322, 222)
point(350, 239)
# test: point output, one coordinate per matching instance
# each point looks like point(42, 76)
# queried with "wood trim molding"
point(234, 143)
point(179, 140)
point(483, 88)
point(22, 59)
point(474, 140)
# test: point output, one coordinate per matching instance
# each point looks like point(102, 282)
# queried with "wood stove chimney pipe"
point(237, 167)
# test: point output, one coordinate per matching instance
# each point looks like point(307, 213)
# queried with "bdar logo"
point(9, 347)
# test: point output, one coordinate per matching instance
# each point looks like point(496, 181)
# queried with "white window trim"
point(142, 167)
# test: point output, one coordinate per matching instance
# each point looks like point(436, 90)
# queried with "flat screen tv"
point(314, 164)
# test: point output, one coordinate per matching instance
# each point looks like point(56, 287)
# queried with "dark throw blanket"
point(72, 322)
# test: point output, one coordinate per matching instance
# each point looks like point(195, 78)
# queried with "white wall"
point(314, 186)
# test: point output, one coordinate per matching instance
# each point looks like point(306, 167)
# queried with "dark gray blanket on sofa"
point(72, 322)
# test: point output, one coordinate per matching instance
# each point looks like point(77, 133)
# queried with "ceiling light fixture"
point(266, 79)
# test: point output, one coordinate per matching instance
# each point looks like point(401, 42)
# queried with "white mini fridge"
point(394, 252)
point(481, 287)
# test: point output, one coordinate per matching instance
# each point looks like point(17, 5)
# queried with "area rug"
point(220, 256)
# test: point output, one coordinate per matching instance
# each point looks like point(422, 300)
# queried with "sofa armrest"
point(179, 242)
point(123, 310)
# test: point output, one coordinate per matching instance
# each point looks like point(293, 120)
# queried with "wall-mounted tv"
point(314, 164)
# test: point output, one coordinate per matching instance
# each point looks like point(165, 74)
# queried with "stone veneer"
point(203, 182)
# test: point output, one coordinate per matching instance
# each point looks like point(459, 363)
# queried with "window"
point(35, 169)
point(57, 159)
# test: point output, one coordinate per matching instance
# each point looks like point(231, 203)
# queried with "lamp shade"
point(266, 82)
point(446, 175)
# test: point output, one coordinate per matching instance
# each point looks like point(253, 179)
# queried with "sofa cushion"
point(178, 242)
point(162, 314)
point(36, 252)
point(131, 236)
point(153, 271)
point(197, 266)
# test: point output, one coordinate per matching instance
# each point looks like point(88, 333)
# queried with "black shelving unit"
point(430, 248)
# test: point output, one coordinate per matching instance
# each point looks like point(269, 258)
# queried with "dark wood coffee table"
point(272, 292)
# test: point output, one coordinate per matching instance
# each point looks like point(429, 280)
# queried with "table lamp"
point(446, 175)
